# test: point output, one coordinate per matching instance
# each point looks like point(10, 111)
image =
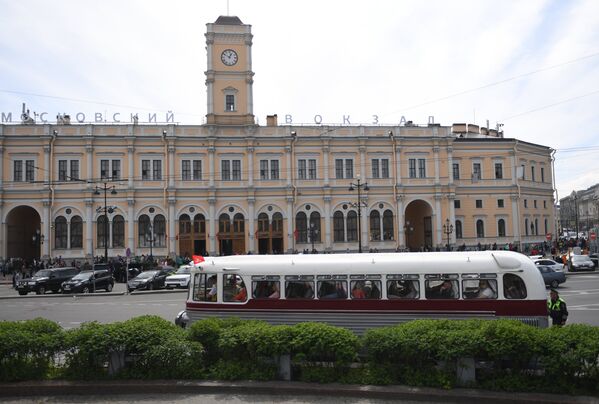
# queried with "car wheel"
point(55, 290)
point(41, 290)
point(554, 284)
point(22, 293)
point(109, 287)
point(150, 286)
point(85, 290)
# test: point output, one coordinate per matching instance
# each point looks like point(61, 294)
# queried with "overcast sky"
point(531, 65)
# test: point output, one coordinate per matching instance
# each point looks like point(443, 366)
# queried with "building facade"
point(231, 186)
point(579, 211)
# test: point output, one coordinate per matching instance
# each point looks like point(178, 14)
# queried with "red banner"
point(197, 259)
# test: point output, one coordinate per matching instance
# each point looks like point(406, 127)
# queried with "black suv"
point(46, 279)
point(89, 281)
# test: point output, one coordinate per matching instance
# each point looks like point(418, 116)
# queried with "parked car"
point(149, 280)
point(595, 259)
point(549, 263)
point(179, 279)
point(46, 279)
point(580, 263)
point(89, 281)
point(552, 277)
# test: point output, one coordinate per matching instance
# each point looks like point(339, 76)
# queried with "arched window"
point(501, 228)
point(60, 231)
point(238, 223)
point(277, 222)
point(199, 224)
point(480, 229)
point(458, 229)
point(224, 223)
point(159, 231)
point(143, 231)
point(101, 233)
point(76, 232)
point(315, 227)
point(526, 226)
point(352, 226)
point(118, 231)
point(184, 225)
point(375, 225)
point(388, 225)
point(301, 227)
point(338, 227)
point(263, 222)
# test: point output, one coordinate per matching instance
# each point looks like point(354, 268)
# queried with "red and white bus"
point(361, 291)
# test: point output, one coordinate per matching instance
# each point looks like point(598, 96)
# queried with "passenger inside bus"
point(242, 294)
point(444, 290)
point(212, 284)
point(266, 290)
point(275, 294)
point(513, 287)
point(485, 290)
point(357, 291)
point(402, 289)
point(299, 290)
point(332, 290)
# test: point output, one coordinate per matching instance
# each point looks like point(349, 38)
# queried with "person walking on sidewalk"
point(556, 307)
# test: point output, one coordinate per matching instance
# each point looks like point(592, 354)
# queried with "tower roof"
point(228, 20)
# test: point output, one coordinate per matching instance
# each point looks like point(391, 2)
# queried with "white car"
point(179, 279)
point(556, 266)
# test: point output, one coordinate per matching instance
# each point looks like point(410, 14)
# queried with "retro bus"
point(361, 291)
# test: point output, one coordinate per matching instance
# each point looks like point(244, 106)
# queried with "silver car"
point(556, 266)
point(179, 279)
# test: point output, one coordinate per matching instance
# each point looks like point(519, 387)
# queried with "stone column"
point(89, 228)
point(327, 223)
point(438, 219)
point(89, 159)
point(290, 220)
point(131, 166)
point(437, 165)
point(288, 162)
point(1, 167)
point(450, 201)
point(47, 219)
point(363, 175)
point(131, 225)
point(250, 152)
point(171, 166)
point(325, 157)
point(46, 165)
point(515, 218)
point(450, 165)
point(400, 221)
point(398, 165)
point(251, 225)
point(171, 226)
point(211, 151)
point(212, 225)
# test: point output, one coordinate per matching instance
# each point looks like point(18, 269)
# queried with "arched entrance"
point(192, 235)
point(23, 234)
point(270, 234)
point(418, 228)
point(231, 234)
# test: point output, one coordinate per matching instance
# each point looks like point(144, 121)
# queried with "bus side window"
point(403, 289)
point(441, 289)
point(365, 289)
point(205, 287)
point(266, 290)
point(479, 288)
point(299, 290)
point(332, 289)
point(234, 289)
point(513, 287)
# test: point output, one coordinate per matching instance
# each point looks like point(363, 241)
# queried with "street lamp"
point(447, 229)
point(408, 229)
point(105, 187)
point(575, 196)
point(359, 186)
point(313, 233)
point(151, 228)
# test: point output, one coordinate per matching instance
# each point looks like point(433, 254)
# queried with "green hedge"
point(509, 354)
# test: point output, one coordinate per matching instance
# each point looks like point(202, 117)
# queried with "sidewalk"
point(277, 389)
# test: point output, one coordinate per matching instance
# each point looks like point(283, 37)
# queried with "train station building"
point(230, 186)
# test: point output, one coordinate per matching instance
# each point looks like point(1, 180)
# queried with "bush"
point(28, 348)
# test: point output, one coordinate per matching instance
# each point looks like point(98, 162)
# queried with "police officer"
point(556, 306)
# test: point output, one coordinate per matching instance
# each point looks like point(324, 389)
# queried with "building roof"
point(228, 20)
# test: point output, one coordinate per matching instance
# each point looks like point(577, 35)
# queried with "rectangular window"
point(230, 102)
point(479, 203)
point(157, 170)
point(545, 206)
point(18, 171)
point(145, 170)
point(523, 172)
point(236, 170)
point(62, 170)
point(532, 173)
point(498, 171)
point(384, 168)
point(525, 203)
point(457, 204)
point(339, 168)
point(29, 171)
point(197, 170)
point(422, 168)
point(344, 168)
point(186, 170)
point(116, 169)
point(263, 169)
point(456, 171)
point(412, 168)
point(74, 170)
point(500, 203)
point(542, 174)
point(274, 169)
point(225, 170)
point(301, 169)
point(476, 172)
point(375, 168)
point(104, 167)
point(534, 203)
point(349, 168)
point(312, 169)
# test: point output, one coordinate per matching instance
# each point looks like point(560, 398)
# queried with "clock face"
point(229, 57)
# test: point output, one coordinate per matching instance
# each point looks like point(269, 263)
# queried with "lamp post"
point(151, 228)
point(105, 187)
point(359, 185)
point(408, 229)
point(575, 196)
point(37, 239)
point(447, 229)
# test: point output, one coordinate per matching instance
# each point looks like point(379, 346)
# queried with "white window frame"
point(476, 177)
point(230, 91)
point(23, 160)
point(69, 169)
point(192, 171)
point(231, 161)
point(345, 167)
point(151, 159)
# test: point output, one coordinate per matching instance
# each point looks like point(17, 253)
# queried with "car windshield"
point(43, 273)
point(580, 258)
point(183, 271)
point(82, 276)
point(146, 275)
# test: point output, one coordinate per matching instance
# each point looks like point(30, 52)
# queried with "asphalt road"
point(581, 293)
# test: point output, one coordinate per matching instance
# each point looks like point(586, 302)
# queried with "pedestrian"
point(556, 307)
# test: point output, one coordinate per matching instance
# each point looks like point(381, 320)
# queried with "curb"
point(97, 294)
point(287, 389)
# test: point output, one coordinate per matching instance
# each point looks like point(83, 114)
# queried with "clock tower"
point(229, 78)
